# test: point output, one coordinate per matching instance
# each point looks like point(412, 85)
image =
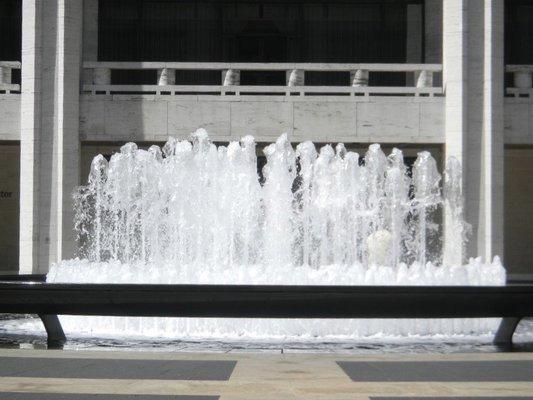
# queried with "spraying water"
point(193, 212)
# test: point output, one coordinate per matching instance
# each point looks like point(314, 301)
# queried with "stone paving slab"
point(78, 396)
point(439, 371)
point(208, 370)
point(451, 398)
point(258, 376)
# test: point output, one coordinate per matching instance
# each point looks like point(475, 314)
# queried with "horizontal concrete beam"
point(400, 67)
point(10, 64)
point(287, 90)
point(518, 119)
point(320, 118)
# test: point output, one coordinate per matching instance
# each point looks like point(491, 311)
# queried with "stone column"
point(493, 139)
point(51, 56)
point(433, 31)
point(473, 84)
point(413, 51)
point(433, 36)
point(30, 104)
point(90, 38)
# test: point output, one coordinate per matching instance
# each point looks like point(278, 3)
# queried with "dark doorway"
point(356, 31)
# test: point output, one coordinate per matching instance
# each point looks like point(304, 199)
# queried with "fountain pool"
point(192, 212)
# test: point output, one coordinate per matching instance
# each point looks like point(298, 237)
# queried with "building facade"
point(81, 77)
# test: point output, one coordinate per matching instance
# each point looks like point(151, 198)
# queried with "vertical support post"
point(473, 76)
point(414, 39)
point(522, 80)
point(359, 78)
point(90, 37)
point(295, 77)
point(231, 77)
point(102, 76)
point(5, 75)
point(491, 236)
point(51, 58)
point(30, 135)
point(504, 334)
point(433, 19)
point(424, 79)
point(454, 48)
point(166, 76)
point(433, 35)
point(55, 336)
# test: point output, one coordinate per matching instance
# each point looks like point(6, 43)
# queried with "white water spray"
point(195, 213)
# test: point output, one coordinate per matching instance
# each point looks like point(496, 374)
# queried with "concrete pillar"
point(413, 51)
point(493, 138)
point(433, 36)
point(473, 84)
point(51, 56)
point(90, 37)
point(433, 31)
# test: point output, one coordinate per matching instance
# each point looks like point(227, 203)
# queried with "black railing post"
point(54, 331)
point(504, 334)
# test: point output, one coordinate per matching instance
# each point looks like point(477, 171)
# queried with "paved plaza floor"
point(128, 375)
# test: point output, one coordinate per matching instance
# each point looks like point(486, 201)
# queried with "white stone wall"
point(95, 125)
point(9, 117)
point(518, 121)
point(473, 84)
point(51, 56)
point(148, 118)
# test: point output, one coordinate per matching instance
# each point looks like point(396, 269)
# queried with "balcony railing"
point(521, 81)
point(98, 79)
point(97, 76)
point(6, 82)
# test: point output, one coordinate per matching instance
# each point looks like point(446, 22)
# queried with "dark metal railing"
point(264, 301)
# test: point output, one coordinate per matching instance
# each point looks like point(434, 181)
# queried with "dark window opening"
point(357, 31)
point(518, 34)
point(11, 34)
point(518, 31)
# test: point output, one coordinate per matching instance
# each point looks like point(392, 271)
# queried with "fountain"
point(193, 212)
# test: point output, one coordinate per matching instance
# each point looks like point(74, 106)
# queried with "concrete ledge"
point(9, 116)
point(387, 119)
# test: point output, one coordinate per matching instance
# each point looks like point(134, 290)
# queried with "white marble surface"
point(326, 119)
